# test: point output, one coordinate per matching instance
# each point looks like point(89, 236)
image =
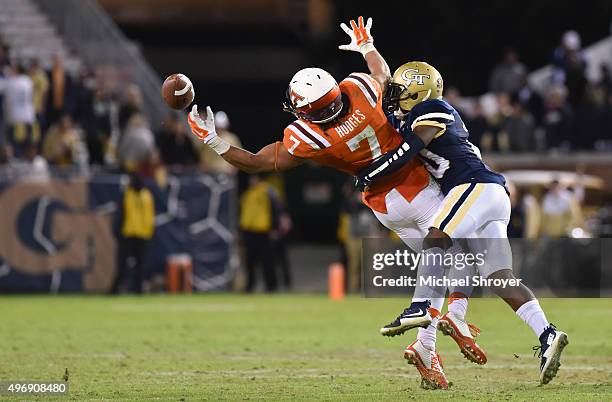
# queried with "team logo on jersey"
point(295, 97)
point(411, 75)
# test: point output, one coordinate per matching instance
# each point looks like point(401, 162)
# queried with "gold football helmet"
point(412, 83)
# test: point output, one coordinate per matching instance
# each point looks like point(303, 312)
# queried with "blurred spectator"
point(509, 75)
point(453, 96)
point(62, 143)
point(40, 83)
point(20, 118)
point(99, 127)
point(137, 144)
point(558, 118)
point(477, 124)
point(4, 54)
point(590, 119)
point(130, 106)
point(569, 66)
point(519, 128)
point(496, 121)
point(356, 222)
point(282, 228)
point(532, 101)
point(58, 90)
point(525, 219)
point(174, 144)
point(256, 225)
point(209, 159)
point(560, 211)
point(137, 217)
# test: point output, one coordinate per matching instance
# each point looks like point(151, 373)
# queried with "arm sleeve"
point(392, 161)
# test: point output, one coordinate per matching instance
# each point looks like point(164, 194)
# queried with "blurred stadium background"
point(532, 79)
point(83, 125)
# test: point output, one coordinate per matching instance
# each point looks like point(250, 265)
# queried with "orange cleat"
point(428, 363)
point(463, 333)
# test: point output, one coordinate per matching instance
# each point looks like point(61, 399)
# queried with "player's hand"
point(361, 38)
point(204, 129)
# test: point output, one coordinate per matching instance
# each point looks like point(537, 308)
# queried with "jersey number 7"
point(369, 134)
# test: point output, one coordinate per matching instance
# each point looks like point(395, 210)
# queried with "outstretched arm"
point(272, 157)
point(363, 42)
point(392, 161)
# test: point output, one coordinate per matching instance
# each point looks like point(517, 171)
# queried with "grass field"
point(212, 347)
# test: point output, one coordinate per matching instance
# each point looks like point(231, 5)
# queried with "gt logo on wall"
point(48, 228)
point(61, 235)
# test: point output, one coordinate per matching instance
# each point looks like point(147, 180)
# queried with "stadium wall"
point(60, 234)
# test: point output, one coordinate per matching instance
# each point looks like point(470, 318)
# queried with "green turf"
point(212, 347)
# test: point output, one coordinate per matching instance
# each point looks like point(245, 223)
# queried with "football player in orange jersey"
point(342, 126)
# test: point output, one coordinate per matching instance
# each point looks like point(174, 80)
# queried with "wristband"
point(366, 48)
point(219, 145)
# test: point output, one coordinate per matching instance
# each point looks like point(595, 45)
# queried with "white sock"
point(458, 307)
point(534, 316)
point(431, 265)
point(427, 336)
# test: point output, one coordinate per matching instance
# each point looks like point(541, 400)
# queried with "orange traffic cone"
point(336, 281)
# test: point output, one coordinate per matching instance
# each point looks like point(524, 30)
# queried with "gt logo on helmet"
point(411, 75)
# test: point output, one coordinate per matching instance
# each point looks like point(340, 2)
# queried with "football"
point(177, 91)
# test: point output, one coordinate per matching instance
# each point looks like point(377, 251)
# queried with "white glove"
point(361, 38)
point(204, 129)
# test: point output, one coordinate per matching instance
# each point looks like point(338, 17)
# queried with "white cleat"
point(552, 343)
point(429, 365)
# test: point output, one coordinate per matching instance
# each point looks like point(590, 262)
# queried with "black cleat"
point(417, 315)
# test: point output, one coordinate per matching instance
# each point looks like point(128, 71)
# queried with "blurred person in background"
point(130, 106)
point(59, 88)
point(136, 149)
point(360, 223)
point(494, 141)
point(282, 227)
point(20, 118)
point(509, 75)
point(40, 83)
point(100, 126)
point(175, 147)
point(4, 54)
point(62, 143)
point(560, 211)
point(477, 124)
point(569, 67)
point(532, 101)
point(558, 118)
point(519, 127)
point(525, 217)
point(590, 117)
point(209, 160)
point(137, 220)
point(256, 225)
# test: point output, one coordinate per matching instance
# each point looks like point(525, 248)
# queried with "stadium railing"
point(90, 31)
